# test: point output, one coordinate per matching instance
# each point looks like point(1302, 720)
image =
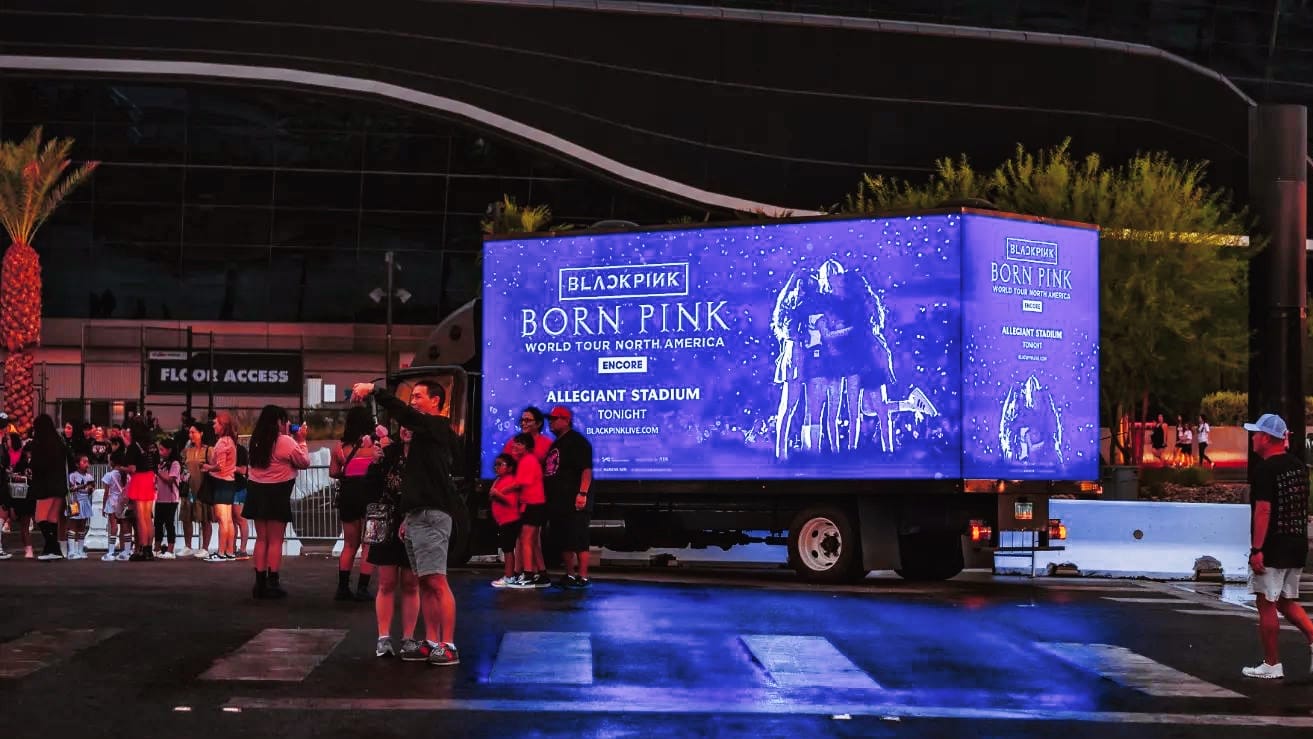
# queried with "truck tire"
point(823, 545)
point(933, 555)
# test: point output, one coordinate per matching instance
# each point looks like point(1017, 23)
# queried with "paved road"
point(147, 648)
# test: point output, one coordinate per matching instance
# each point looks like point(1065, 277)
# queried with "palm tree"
point(33, 182)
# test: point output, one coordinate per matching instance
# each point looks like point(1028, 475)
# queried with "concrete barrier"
point(1160, 541)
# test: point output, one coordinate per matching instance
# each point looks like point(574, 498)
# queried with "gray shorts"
point(428, 533)
point(1276, 583)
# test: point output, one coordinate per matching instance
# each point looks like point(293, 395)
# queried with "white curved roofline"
point(338, 83)
point(875, 24)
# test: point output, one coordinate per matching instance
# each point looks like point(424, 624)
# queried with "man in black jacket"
point(428, 497)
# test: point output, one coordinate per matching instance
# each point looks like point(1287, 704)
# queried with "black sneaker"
point(567, 582)
point(540, 581)
point(413, 651)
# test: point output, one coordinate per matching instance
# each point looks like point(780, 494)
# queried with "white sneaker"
point(4, 554)
point(124, 556)
point(109, 557)
point(183, 552)
point(200, 554)
point(50, 557)
point(503, 581)
point(1265, 671)
point(166, 555)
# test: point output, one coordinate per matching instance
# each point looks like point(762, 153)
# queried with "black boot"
point(275, 589)
point(362, 589)
point(343, 586)
point(261, 589)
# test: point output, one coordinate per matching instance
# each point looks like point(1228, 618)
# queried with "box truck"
point(873, 393)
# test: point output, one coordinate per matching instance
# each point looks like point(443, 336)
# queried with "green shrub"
point(1225, 408)
point(1232, 409)
point(1152, 479)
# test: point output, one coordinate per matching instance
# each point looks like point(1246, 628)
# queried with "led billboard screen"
point(827, 349)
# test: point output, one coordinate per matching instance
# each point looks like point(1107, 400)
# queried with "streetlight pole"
point(387, 377)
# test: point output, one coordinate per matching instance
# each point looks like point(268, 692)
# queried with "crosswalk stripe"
point(37, 649)
point(1132, 670)
point(805, 662)
point(766, 703)
point(1251, 615)
point(555, 657)
point(287, 655)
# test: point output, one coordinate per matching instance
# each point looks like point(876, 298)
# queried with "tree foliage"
point(1173, 278)
point(508, 216)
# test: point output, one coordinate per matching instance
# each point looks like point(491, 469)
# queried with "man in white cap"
point(1279, 539)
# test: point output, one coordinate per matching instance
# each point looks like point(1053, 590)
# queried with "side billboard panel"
point(824, 350)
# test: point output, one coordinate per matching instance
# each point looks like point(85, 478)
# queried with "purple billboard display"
point(828, 349)
point(1030, 294)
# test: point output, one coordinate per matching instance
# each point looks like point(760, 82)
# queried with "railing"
point(314, 516)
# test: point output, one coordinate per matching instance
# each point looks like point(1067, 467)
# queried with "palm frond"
point(61, 191)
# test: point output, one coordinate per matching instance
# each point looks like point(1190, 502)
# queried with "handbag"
point(18, 487)
point(378, 527)
point(206, 493)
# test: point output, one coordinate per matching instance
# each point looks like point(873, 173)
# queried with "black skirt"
point(391, 554)
point(269, 501)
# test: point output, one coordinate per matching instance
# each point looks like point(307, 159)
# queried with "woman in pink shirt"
point(275, 458)
point(222, 467)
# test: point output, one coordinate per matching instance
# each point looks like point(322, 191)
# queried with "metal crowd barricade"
point(314, 513)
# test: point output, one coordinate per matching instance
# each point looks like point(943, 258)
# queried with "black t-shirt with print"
point(99, 452)
point(563, 470)
point(1282, 481)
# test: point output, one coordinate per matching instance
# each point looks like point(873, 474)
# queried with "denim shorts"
point(428, 534)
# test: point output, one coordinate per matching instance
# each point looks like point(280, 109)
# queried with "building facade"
point(261, 158)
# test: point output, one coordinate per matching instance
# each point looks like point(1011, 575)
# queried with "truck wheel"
point(930, 556)
point(823, 545)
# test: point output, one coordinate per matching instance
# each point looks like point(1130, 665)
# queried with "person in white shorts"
point(1279, 535)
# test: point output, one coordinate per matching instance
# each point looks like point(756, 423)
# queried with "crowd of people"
point(395, 498)
point(1189, 437)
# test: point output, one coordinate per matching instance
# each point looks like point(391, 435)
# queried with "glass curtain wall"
point(219, 202)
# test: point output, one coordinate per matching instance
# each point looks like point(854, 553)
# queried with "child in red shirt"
point(505, 499)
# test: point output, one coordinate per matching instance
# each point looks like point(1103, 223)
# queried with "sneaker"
point(229, 557)
point(123, 556)
point(384, 647)
point(413, 651)
point(521, 582)
point(200, 554)
point(503, 582)
point(4, 554)
point(216, 557)
point(1265, 671)
point(444, 655)
point(540, 581)
point(183, 552)
point(568, 582)
point(50, 557)
point(108, 557)
point(168, 555)
point(571, 582)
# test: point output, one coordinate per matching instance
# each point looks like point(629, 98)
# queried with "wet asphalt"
point(644, 652)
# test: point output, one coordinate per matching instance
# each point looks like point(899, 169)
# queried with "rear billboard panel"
point(826, 350)
point(1030, 295)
